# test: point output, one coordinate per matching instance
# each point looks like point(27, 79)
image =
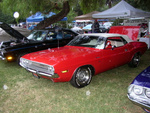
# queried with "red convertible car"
point(85, 56)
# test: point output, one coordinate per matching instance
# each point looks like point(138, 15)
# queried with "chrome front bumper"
point(139, 103)
point(2, 58)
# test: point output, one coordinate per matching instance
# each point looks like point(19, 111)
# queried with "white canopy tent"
point(122, 10)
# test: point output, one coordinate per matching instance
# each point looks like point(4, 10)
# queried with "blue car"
point(139, 90)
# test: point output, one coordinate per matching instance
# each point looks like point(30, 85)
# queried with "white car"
point(76, 29)
point(107, 24)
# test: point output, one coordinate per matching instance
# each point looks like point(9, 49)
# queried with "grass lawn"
point(107, 92)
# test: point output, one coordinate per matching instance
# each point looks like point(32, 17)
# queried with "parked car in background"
point(87, 27)
point(107, 25)
point(139, 90)
point(86, 55)
point(38, 40)
point(77, 30)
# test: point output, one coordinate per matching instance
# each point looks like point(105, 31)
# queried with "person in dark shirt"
point(95, 27)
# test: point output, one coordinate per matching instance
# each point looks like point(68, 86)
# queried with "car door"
point(117, 54)
point(122, 53)
point(105, 57)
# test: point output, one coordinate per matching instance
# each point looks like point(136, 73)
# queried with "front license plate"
point(35, 75)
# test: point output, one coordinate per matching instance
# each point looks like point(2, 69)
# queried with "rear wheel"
point(82, 77)
point(135, 60)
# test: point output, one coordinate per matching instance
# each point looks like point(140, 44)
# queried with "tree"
point(6, 18)
point(141, 4)
point(61, 7)
point(90, 5)
point(110, 2)
point(10, 6)
point(48, 21)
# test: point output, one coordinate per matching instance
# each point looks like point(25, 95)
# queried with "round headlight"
point(138, 90)
point(147, 92)
point(25, 62)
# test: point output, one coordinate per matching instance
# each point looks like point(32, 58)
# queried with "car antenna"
point(59, 36)
point(58, 43)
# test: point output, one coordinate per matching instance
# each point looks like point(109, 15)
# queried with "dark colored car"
point(38, 40)
point(139, 90)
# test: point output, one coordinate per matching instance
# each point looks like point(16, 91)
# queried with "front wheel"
point(135, 60)
point(82, 77)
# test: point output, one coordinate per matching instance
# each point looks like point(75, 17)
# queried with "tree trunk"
point(55, 18)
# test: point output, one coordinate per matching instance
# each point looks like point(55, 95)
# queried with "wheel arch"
point(90, 66)
point(138, 52)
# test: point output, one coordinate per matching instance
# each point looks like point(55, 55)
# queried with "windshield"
point(88, 41)
point(37, 35)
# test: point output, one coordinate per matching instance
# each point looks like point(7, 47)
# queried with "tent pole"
point(148, 29)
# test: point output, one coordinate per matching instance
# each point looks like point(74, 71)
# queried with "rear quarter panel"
point(137, 47)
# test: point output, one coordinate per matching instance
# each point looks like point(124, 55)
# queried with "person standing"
point(95, 27)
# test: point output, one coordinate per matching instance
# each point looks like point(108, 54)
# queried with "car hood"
point(62, 55)
point(143, 79)
point(14, 33)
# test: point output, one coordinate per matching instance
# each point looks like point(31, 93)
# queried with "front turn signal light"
point(9, 58)
point(65, 71)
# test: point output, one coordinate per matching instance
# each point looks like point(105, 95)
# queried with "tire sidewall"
point(132, 62)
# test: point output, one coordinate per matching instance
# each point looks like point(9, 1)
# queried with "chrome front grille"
point(37, 67)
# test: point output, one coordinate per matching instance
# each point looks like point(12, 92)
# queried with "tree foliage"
point(90, 5)
point(24, 7)
point(141, 4)
point(110, 2)
point(77, 7)
point(55, 18)
point(6, 18)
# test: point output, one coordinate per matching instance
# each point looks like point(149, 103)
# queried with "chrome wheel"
point(82, 77)
point(136, 60)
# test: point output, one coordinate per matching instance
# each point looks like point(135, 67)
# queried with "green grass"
point(108, 92)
